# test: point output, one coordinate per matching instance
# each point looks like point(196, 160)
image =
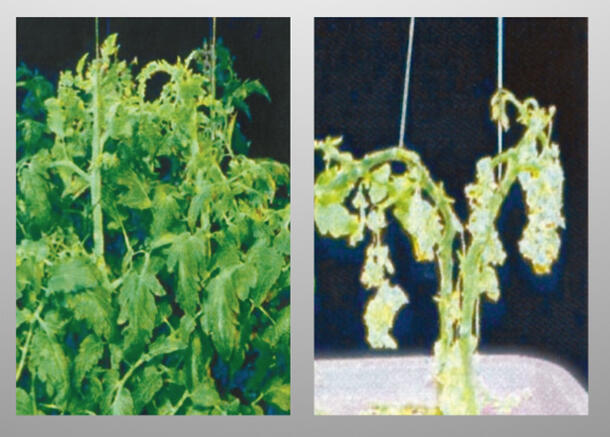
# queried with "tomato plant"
point(152, 253)
point(354, 197)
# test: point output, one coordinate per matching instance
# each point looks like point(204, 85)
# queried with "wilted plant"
point(353, 196)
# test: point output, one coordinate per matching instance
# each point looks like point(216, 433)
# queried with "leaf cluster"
point(187, 310)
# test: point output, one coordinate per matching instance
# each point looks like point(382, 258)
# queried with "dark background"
point(260, 47)
point(359, 74)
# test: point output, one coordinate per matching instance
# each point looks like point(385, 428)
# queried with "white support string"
point(500, 85)
point(403, 117)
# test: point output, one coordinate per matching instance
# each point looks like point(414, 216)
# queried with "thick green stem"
point(446, 321)
point(471, 293)
point(95, 174)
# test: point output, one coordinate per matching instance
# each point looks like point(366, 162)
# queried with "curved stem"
point(70, 165)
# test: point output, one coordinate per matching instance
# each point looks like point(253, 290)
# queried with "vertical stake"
point(500, 85)
point(405, 93)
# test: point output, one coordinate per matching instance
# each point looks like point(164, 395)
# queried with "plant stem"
point(96, 147)
point(76, 169)
point(26, 346)
point(184, 397)
point(262, 310)
point(471, 293)
point(25, 351)
point(127, 375)
point(214, 58)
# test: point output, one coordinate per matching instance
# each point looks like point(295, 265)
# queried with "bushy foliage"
point(152, 253)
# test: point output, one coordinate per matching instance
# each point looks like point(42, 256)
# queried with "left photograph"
point(153, 216)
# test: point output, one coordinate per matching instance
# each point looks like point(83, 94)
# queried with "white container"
point(355, 386)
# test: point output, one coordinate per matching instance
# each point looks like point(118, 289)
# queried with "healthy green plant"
point(152, 253)
point(353, 196)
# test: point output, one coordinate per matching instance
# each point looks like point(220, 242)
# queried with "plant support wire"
point(500, 67)
point(405, 94)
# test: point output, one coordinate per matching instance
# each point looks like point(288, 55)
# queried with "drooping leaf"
point(334, 219)
point(380, 313)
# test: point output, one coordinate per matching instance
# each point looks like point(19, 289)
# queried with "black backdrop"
point(260, 46)
point(359, 74)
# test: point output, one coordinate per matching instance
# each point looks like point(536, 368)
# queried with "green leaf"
point(198, 206)
point(255, 86)
point(55, 116)
point(335, 219)
point(189, 253)
point(25, 406)
point(81, 63)
point(244, 278)
point(205, 394)
point(23, 316)
point(220, 313)
point(379, 183)
point(146, 387)
point(95, 307)
point(166, 345)
point(36, 192)
point(379, 315)
point(72, 274)
point(488, 283)
point(282, 242)
point(49, 363)
point(123, 403)
point(422, 221)
point(138, 307)
point(136, 196)
point(165, 211)
point(268, 263)
point(279, 333)
point(90, 353)
point(109, 46)
point(279, 395)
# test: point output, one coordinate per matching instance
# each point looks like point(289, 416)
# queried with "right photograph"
point(451, 216)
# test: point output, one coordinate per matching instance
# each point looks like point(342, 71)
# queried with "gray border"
point(302, 422)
